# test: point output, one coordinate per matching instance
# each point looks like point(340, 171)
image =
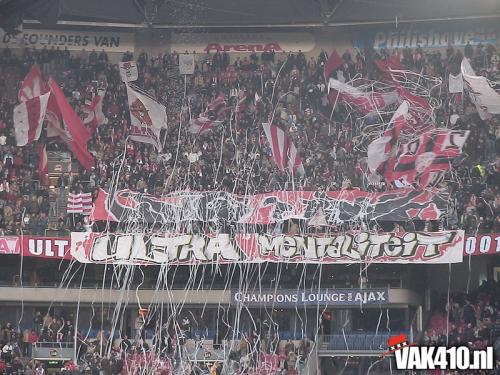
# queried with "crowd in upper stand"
point(235, 156)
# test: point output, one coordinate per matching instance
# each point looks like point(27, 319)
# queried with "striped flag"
point(80, 203)
point(424, 160)
point(284, 151)
point(381, 148)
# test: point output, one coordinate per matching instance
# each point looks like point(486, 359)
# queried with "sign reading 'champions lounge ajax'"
point(326, 297)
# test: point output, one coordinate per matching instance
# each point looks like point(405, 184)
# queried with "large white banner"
point(242, 42)
point(73, 40)
point(177, 249)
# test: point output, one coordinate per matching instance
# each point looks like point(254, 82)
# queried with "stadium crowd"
point(171, 348)
point(235, 156)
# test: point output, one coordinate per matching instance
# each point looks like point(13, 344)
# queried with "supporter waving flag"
point(147, 117)
point(333, 63)
point(486, 100)
point(33, 85)
point(213, 114)
point(93, 115)
point(28, 119)
point(380, 150)
point(202, 125)
point(365, 102)
point(28, 116)
point(77, 135)
point(284, 151)
point(423, 160)
point(217, 108)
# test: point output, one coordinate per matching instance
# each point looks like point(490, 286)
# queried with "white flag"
point(186, 64)
point(128, 71)
point(147, 116)
point(486, 100)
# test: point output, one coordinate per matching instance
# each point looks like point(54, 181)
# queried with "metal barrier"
point(57, 351)
point(352, 342)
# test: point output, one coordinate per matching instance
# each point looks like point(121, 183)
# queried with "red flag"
point(333, 63)
point(78, 131)
point(43, 169)
point(78, 134)
point(28, 119)
point(284, 151)
point(33, 85)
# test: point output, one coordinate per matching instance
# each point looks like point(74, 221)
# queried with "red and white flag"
point(486, 100)
point(202, 125)
point(33, 85)
point(284, 151)
point(147, 117)
point(366, 102)
point(333, 63)
point(28, 119)
point(77, 135)
point(80, 203)
point(380, 150)
point(93, 115)
point(217, 106)
point(423, 160)
point(43, 166)
point(390, 66)
point(211, 117)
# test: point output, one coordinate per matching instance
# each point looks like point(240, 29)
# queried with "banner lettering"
point(242, 42)
point(325, 297)
point(411, 247)
point(72, 40)
point(429, 38)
